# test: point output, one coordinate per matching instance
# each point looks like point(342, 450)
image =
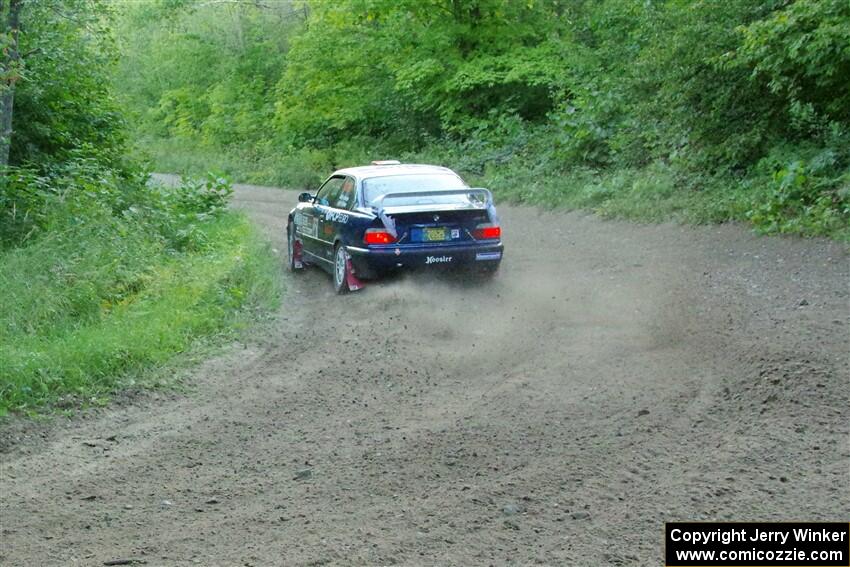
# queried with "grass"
point(643, 195)
point(656, 194)
point(83, 312)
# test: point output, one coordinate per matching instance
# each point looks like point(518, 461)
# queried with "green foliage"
point(806, 195)
point(60, 195)
point(201, 71)
point(681, 107)
point(802, 54)
point(102, 273)
point(403, 69)
point(64, 106)
point(179, 212)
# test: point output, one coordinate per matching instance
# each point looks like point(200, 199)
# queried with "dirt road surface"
point(613, 377)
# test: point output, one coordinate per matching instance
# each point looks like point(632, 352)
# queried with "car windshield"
point(377, 186)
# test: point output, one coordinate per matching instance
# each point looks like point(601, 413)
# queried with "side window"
point(329, 192)
point(345, 199)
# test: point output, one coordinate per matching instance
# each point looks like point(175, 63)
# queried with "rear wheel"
point(341, 269)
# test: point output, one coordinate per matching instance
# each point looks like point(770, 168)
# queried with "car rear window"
point(377, 186)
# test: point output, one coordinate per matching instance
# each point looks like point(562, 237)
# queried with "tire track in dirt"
point(614, 376)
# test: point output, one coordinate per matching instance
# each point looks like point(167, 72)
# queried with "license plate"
point(434, 234)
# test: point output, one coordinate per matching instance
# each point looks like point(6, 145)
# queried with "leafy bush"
point(23, 194)
point(64, 103)
point(805, 198)
point(177, 213)
point(799, 52)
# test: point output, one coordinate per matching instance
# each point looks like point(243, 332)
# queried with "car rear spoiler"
point(389, 223)
point(486, 201)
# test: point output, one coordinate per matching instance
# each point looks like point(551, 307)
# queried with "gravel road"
point(613, 377)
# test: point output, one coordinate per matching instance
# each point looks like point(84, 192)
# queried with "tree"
point(64, 106)
point(9, 72)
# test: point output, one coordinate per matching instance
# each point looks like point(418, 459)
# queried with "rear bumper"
point(376, 259)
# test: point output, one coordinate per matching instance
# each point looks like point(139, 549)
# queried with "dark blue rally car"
point(366, 221)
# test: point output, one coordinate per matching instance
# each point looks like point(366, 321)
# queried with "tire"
point(341, 269)
point(290, 249)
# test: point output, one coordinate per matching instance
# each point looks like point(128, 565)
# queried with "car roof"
point(369, 171)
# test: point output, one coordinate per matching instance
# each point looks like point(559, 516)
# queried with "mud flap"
point(297, 263)
point(353, 282)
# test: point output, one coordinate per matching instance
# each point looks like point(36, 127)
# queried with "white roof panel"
point(367, 171)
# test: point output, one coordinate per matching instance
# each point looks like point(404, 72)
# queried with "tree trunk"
point(11, 58)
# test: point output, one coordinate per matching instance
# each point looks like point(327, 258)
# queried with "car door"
point(336, 217)
point(309, 217)
point(323, 205)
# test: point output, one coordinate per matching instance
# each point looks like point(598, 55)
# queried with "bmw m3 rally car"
point(366, 221)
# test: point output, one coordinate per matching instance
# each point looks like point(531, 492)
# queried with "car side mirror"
point(304, 197)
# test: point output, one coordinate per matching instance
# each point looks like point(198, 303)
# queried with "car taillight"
point(487, 232)
point(378, 236)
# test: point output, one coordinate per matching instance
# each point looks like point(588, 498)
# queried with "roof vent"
point(386, 162)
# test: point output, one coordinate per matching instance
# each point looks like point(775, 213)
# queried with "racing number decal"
point(336, 216)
